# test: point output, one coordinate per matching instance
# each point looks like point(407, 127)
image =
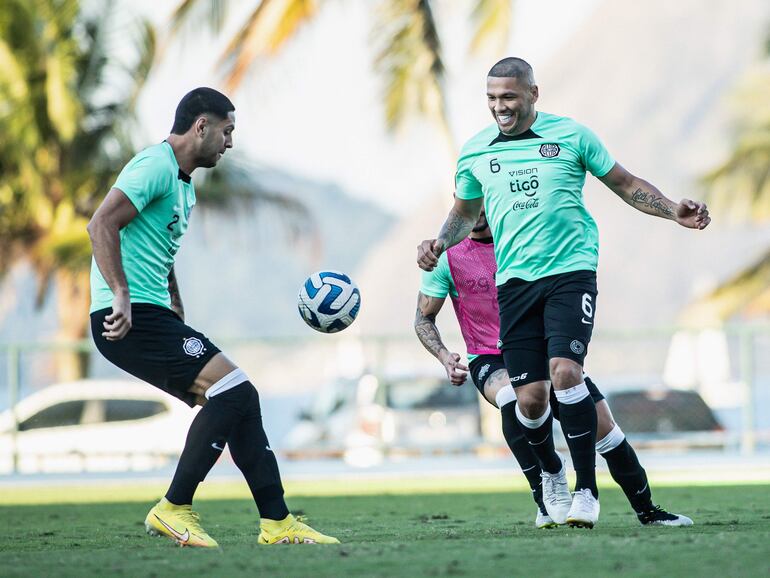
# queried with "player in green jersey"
point(137, 323)
point(528, 171)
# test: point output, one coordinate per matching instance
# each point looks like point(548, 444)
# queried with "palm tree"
point(739, 190)
point(66, 106)
point(410, 60)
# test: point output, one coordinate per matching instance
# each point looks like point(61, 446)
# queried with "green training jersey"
point(532, 185)
point(164, 197)
point(439, 283)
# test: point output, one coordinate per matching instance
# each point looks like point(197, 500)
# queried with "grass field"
point(470, 527)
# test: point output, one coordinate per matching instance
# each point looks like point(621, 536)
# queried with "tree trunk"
point(72, 303)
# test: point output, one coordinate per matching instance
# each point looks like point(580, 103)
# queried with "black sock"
point(578, 422)
point(629, 474)
point(252, 454)
point(514, 437)
point(540, 441)
point(205, 441)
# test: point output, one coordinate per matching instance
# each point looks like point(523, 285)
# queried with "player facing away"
point(137, 322)
point(528, 170)
point(466, 272)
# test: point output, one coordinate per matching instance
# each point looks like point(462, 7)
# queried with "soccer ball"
point(329, 301)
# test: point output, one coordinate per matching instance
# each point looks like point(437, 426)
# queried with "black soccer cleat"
point(657, 516)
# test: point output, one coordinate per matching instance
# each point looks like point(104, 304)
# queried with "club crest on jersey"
point(550, 150)
point(193, 347)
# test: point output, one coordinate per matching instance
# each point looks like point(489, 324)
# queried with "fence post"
point(14, 365)
point(748, 435)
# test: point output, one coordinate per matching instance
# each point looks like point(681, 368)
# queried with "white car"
point(93, 425)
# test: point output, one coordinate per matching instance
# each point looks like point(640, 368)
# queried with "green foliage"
point(410, 58)
point(66, 104)
point(441, 533)
point(739, 191)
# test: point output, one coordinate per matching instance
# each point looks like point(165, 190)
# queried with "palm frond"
point(746, 291)
point(266, 30)
point(212, 12)
point(410, 61)
point(236, 186)
point(492, 25)
point(739, 188)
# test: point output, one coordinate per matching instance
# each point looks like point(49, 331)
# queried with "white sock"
point(611, 440)
point(573, 394)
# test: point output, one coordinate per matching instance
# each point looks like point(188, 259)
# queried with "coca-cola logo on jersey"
point(524, 205)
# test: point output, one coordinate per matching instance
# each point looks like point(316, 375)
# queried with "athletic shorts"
point(482, 367)
point(159, 349)
point(545, 318)
point(594, 392)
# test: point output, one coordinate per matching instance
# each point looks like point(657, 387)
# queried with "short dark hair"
point(513, 67)
point(200, 101)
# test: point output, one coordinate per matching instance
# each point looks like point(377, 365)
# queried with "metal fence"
point(668, 388)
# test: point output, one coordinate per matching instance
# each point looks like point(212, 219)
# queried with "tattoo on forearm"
point(657, 204)
point(455, 229)
point(427, 332)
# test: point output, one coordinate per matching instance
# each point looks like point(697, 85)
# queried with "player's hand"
point(455, 371)
point(118, 323)
point(428, 253)
point(692, 214)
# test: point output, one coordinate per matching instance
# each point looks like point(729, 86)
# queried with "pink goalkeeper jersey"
point(472, 266)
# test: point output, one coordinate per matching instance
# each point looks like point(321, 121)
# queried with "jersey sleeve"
point(438, 283)
point(467, 185)
point(143, 179)
point(596, 157)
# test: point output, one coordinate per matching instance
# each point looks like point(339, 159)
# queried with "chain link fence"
point(365, 397)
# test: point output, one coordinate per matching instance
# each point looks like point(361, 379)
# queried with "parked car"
point(367, 417)
point(662, 417)
point(94, 425)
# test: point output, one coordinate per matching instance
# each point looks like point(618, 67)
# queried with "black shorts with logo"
point(482, 367)
point(159, 349)
point(545, 318)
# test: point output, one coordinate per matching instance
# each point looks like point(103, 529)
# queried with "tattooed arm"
point(457, 226)
point(646, 198)
point(427, 332)
point(176, 298)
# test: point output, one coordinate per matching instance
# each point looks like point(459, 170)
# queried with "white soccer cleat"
point(556, 495)
point(660, 517)
point(584, 512)
point(543, 521)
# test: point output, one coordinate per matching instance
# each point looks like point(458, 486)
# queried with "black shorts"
point(545, 318)
point(593, 391)
point(159, 349)
point(482, 367)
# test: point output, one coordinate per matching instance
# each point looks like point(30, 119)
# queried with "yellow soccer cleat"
point(291, 531)
point(179, 523)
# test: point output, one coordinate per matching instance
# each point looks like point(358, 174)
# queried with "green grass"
point(389, 528)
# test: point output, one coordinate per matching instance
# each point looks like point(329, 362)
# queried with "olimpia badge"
point(550, 150)
point(193, 347)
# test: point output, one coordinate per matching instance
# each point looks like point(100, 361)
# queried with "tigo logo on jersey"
point(550, 150)
point(193, 347)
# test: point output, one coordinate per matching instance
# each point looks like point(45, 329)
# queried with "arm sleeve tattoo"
point(427, 332)
point(455, 229)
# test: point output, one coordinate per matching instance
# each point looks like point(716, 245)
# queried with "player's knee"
point(565, 372)
point(533, 400)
